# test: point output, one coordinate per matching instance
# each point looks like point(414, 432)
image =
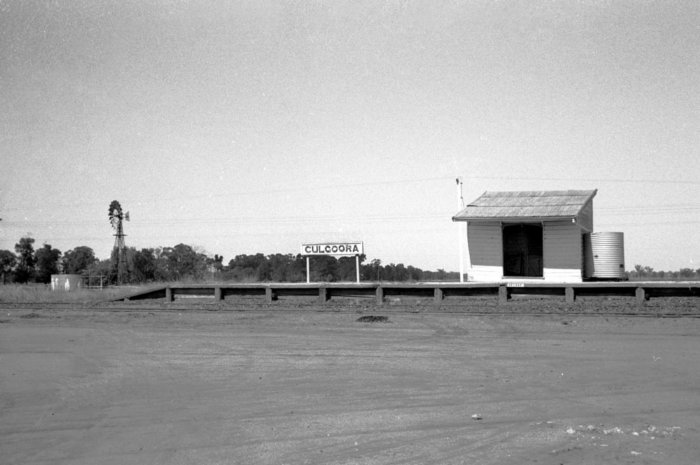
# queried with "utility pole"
point(460, 238)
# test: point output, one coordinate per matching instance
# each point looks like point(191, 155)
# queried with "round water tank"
point(604, 254)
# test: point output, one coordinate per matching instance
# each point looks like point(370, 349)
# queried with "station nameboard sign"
point(333, 248)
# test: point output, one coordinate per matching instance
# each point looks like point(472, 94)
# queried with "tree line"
point(29, 265)
point(186, 263)
point(641, 272)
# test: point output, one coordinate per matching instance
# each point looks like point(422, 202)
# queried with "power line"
point(261, 191)
point(299, 219)
point(252, 220)
point(596, 180)
point(647, 223)
point(312, 188)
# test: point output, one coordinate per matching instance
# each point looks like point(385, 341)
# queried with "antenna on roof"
point(460, 197)
point(460, 236)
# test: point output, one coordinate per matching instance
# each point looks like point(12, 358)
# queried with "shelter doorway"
point(522, 250)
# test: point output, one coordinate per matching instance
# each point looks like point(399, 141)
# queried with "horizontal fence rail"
point(437, 292)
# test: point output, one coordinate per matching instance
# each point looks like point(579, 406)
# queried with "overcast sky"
point(242, 127)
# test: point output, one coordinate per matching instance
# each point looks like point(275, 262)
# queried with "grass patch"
point(40, 293)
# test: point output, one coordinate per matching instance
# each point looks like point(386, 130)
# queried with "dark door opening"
point(522, 250)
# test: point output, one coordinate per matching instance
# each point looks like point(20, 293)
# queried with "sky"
point(241, 127)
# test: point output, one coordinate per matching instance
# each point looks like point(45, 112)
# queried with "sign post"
point(343, 249)
point(308, 275)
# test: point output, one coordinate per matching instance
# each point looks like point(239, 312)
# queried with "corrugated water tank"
point(604, 254)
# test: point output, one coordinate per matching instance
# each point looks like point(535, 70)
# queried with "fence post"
point(269, 295)
point(570, 295)
point(439, 295)
point(503, 294)
point(641, 295)
point(380, 295)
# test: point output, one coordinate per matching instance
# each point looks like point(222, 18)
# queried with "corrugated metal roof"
point(526, 205)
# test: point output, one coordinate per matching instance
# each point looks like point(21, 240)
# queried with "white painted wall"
point(485, 244)
point(562, 254)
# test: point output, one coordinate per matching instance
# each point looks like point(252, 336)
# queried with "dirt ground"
point(116, 386)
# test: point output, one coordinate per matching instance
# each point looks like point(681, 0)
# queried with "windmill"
point(116, 217)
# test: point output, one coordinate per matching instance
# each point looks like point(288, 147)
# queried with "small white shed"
point(528, 235)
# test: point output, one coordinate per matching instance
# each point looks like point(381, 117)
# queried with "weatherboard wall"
point(562, 256)
point(562, 253)
point(485, 244)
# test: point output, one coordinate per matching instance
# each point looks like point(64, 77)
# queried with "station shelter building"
point(523, 235)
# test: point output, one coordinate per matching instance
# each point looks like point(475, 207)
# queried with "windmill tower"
point(116, 218)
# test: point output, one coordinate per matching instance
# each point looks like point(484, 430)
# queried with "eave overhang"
point(510, 219)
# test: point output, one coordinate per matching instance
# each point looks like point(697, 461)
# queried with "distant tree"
point(99, 272)
point(297, 270)
point(346, 268)
point(414, 274)
point(77, 260)
point(324, 268)
point(47, 260)
point(183, 262)
point(26, 261)
point(264, 270)
point(249, 268)
point(641, 271)
point(388, 272)
point(145, 265)
point(7, 262)
point(400, 272)
point(241, 269)
point(161, 272)
point(216, 264)
point(372, 271)
point(281, 267)
point(686, 273)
